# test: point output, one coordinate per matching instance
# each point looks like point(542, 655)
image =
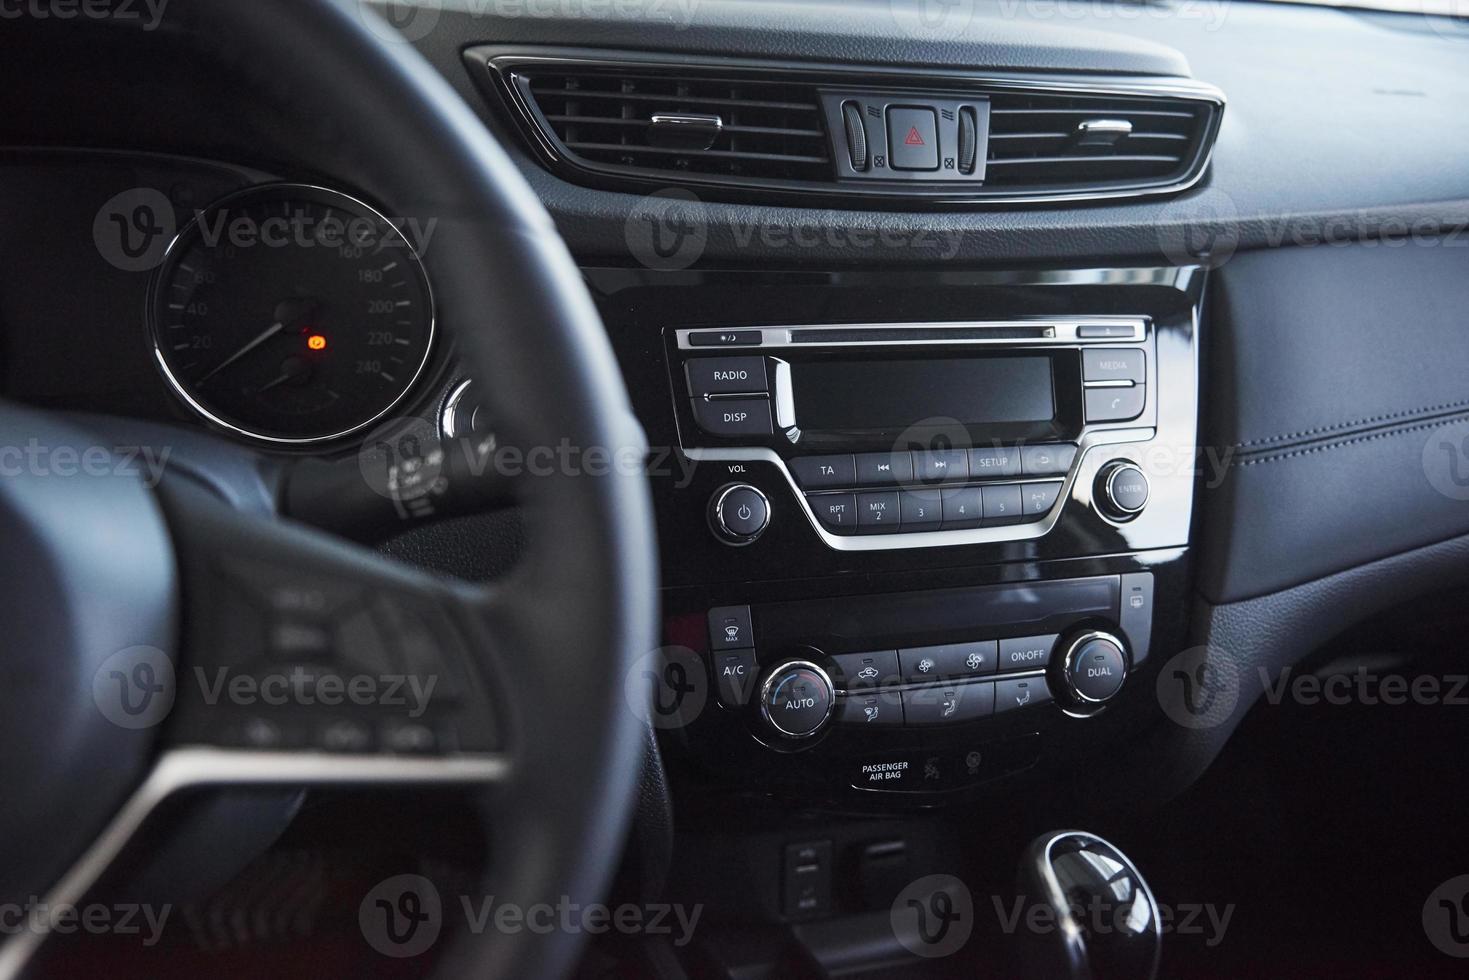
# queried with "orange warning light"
point(316, 342)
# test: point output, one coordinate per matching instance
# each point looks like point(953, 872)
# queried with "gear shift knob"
point(1103, 917)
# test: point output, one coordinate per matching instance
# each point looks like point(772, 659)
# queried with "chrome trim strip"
point(1063, 332)
point(501, 61)
point(187, 768)
point(785, 395)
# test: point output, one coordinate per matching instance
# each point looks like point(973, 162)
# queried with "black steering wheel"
point(114, 591)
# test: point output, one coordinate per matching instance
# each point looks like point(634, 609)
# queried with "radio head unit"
point(946, 433)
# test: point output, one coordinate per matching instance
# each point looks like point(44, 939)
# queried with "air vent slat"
point(678, 99)
point(671, 151)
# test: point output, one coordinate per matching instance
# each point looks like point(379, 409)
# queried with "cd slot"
point(918, 334)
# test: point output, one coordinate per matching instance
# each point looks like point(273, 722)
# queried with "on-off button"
point(738, 513)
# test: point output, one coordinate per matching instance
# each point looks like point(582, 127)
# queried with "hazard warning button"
point(913, 138)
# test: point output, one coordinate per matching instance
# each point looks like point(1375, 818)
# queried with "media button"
point(1112, 364)
point(820, 472)
point(922, 510)
point(725, 375)
point(1048, 459)
point(1037, 499)
point(941, 465)
point(878, 512)
point(733, 416)
point(1002, 505)
point(963, 507)
point(884, 469)
point(988, 463)
point(837, 512)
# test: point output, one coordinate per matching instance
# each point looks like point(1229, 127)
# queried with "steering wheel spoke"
point(296, 642)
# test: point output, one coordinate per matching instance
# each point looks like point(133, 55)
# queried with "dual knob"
point(797, 697)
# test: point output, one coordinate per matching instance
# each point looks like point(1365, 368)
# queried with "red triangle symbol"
point(914, 137)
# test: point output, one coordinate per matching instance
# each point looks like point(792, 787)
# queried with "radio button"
point(1037, 499)
point(865, 671)
point(922, 510)
point(725, 375)
point(1112, 364)
point(837, 512)
point(985, 463)
point(820, 472)
point(878, 512)
point(948, 704)
point(733, 416)
point(949, 661)
point(1026, 652)
point(884, 469)
point(963, 507)
point(1115, 404)
point(941, 465)
point(1002, 505)
point(1050, 459)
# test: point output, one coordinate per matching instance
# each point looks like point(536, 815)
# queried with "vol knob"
point(738, 514)
point(1121, 490)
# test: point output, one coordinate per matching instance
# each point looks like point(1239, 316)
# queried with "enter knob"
point(1093, 667)
point(1122, 490)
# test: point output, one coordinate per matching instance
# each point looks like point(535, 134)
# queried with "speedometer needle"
point(265, 335)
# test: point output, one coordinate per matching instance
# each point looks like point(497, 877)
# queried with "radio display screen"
point(896, 394)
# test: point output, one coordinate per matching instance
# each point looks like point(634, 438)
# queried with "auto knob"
point(1121, 490)
point(738, 514)
point(796, 699)
point(1092, 666)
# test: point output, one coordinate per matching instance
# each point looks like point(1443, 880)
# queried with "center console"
point(921, 531)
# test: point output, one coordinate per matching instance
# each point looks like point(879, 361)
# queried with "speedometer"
point(291, 314)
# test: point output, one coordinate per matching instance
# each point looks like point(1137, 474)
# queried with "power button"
point(738, 513)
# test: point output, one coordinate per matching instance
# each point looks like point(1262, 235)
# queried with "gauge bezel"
point(283, 190)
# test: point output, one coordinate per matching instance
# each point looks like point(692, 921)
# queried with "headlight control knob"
point(1121, 490)
point(1093, 665)
point(796, 699)
point(738, 513)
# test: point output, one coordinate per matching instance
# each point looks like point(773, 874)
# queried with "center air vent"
point(726, 127)
point(1054, 141)
point(780, 132)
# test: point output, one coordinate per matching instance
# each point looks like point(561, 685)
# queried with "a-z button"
point(733, 416)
